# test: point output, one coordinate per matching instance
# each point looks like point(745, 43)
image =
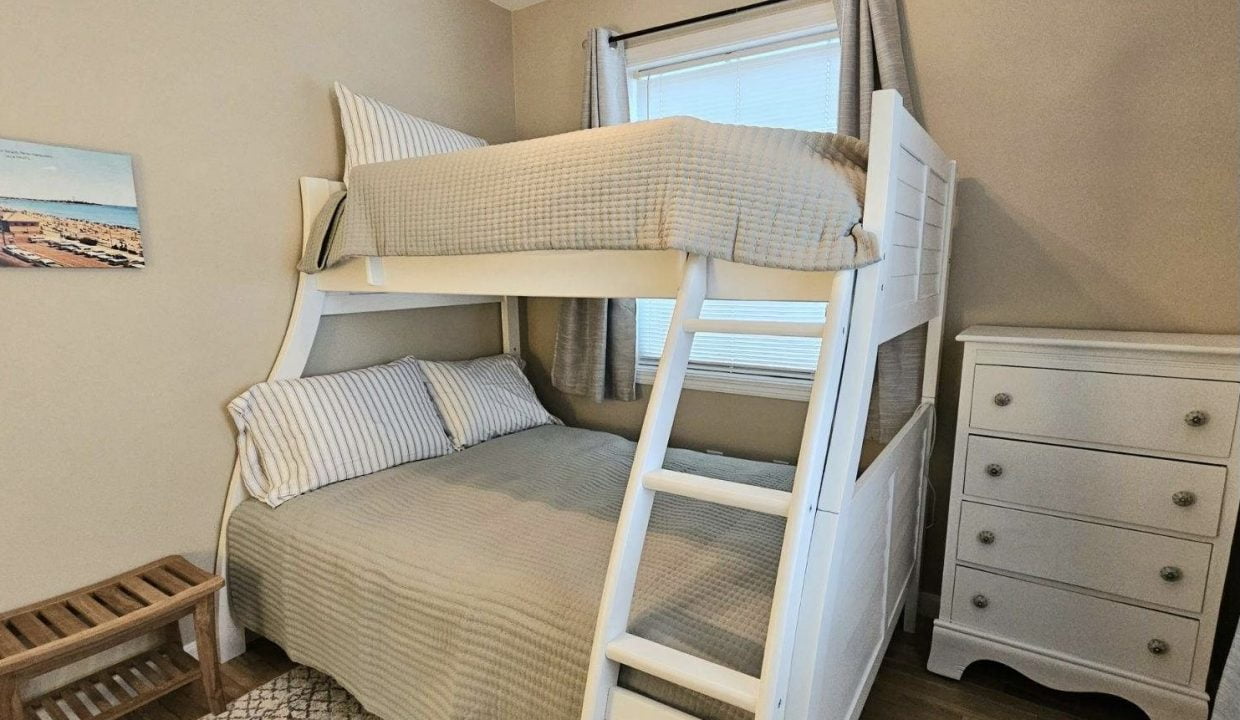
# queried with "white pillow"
point(297, 435)
point(377, 132)
point(484, 398)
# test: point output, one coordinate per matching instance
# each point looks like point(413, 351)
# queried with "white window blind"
point(793, 84)
point(790, 84)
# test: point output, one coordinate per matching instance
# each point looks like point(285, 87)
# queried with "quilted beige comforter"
point(467, 586)
point(760, 196)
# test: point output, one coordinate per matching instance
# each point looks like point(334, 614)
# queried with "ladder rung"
point(723, 492)
point(733, 687)
point(754, 327)
point(628, 705)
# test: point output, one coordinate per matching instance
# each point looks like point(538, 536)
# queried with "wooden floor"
point(904, 690)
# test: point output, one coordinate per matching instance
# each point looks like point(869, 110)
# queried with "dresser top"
point(1055, 337)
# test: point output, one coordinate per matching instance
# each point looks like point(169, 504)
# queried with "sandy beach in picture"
point(64, 207)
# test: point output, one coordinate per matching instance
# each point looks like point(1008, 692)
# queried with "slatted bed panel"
point(917, 239)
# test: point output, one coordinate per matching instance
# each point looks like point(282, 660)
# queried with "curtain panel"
point(596, 341)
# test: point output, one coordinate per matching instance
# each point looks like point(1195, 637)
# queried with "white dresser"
point(1094, 497)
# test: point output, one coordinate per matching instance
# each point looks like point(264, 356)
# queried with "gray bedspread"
point(467, 586)
point(760, 196)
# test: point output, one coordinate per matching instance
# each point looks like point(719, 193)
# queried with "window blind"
point(793, 84)
point(750, 354)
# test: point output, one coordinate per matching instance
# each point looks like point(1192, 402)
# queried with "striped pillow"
point(484, 398)
point(377, 132)
point(297, 435)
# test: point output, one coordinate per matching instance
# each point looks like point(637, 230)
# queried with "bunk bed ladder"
point(613, 644)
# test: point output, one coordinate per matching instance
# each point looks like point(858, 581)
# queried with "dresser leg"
point(1187, 709)
point(208, 653)
point(10, 699)
point(948, 657)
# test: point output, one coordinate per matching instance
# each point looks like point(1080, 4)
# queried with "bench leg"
point(10, 699)
point(208, 653)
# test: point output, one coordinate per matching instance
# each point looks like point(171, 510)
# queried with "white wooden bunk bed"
point(852, 542)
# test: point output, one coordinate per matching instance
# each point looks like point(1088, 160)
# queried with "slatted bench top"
point(36, 635)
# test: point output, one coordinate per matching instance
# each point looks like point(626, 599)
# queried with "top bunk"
point(616, 212)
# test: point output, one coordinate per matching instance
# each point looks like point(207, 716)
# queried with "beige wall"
point(114, 443)
point(1098, 161)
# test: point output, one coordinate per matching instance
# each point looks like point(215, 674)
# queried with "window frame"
point(737, 36)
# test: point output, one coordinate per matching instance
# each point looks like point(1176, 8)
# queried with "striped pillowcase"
point(297, 435)
point(377, 132)
point(484, 398)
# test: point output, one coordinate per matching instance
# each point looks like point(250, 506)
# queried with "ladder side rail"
point(634, 518)
point(806, 486)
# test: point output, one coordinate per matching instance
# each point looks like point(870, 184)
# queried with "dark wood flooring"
point(904, 690)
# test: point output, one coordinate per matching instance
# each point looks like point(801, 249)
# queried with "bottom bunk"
point(469, 585)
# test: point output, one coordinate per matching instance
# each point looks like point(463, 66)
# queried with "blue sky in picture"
point(50, 172)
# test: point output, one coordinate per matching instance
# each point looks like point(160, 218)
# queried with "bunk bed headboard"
point(910, 188)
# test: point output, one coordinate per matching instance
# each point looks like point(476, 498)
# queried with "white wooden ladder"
point(613, 644)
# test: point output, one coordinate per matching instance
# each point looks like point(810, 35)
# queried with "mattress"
point(467, 586)
point(760, 196)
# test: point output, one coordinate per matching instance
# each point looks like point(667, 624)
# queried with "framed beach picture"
point(62, 207)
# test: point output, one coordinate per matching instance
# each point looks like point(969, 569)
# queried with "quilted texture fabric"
point(759, 196)
point(467, 586)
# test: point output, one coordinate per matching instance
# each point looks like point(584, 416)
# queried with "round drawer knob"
point(1197, 418)
point(980, 601)
point(1002, 399)
point(994, 469)
point(1156, 646)
point(1170, 573)
point(986, 537)
point(1184, 498)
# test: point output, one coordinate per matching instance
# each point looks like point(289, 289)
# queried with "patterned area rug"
point(299, 694)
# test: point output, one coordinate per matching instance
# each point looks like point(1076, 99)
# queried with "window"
point(777, 71)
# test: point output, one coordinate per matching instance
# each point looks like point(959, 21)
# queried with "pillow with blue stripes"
point(377, 132)
point(484, 398)
point(294, 436)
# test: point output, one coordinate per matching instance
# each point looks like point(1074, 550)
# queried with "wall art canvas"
point(62, 207)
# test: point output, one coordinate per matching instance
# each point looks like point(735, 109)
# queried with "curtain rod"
point(691, 21)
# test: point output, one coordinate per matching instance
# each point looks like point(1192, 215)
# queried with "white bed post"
point(510, 324)
point(290, 362)
point(821, 640)
point(929, 392)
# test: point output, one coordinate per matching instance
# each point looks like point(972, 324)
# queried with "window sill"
point(735, 384)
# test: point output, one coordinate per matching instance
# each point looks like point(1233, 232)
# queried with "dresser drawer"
point(1100, 557)
point(1136, 411)
point(1181, 496)
point(1087, 627)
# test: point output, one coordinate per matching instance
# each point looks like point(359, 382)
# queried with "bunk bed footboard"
point(872, 553)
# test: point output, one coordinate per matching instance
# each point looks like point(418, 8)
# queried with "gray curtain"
point(872, 58)
point(596, 342)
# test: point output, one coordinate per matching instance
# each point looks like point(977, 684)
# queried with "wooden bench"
point(54, 633)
